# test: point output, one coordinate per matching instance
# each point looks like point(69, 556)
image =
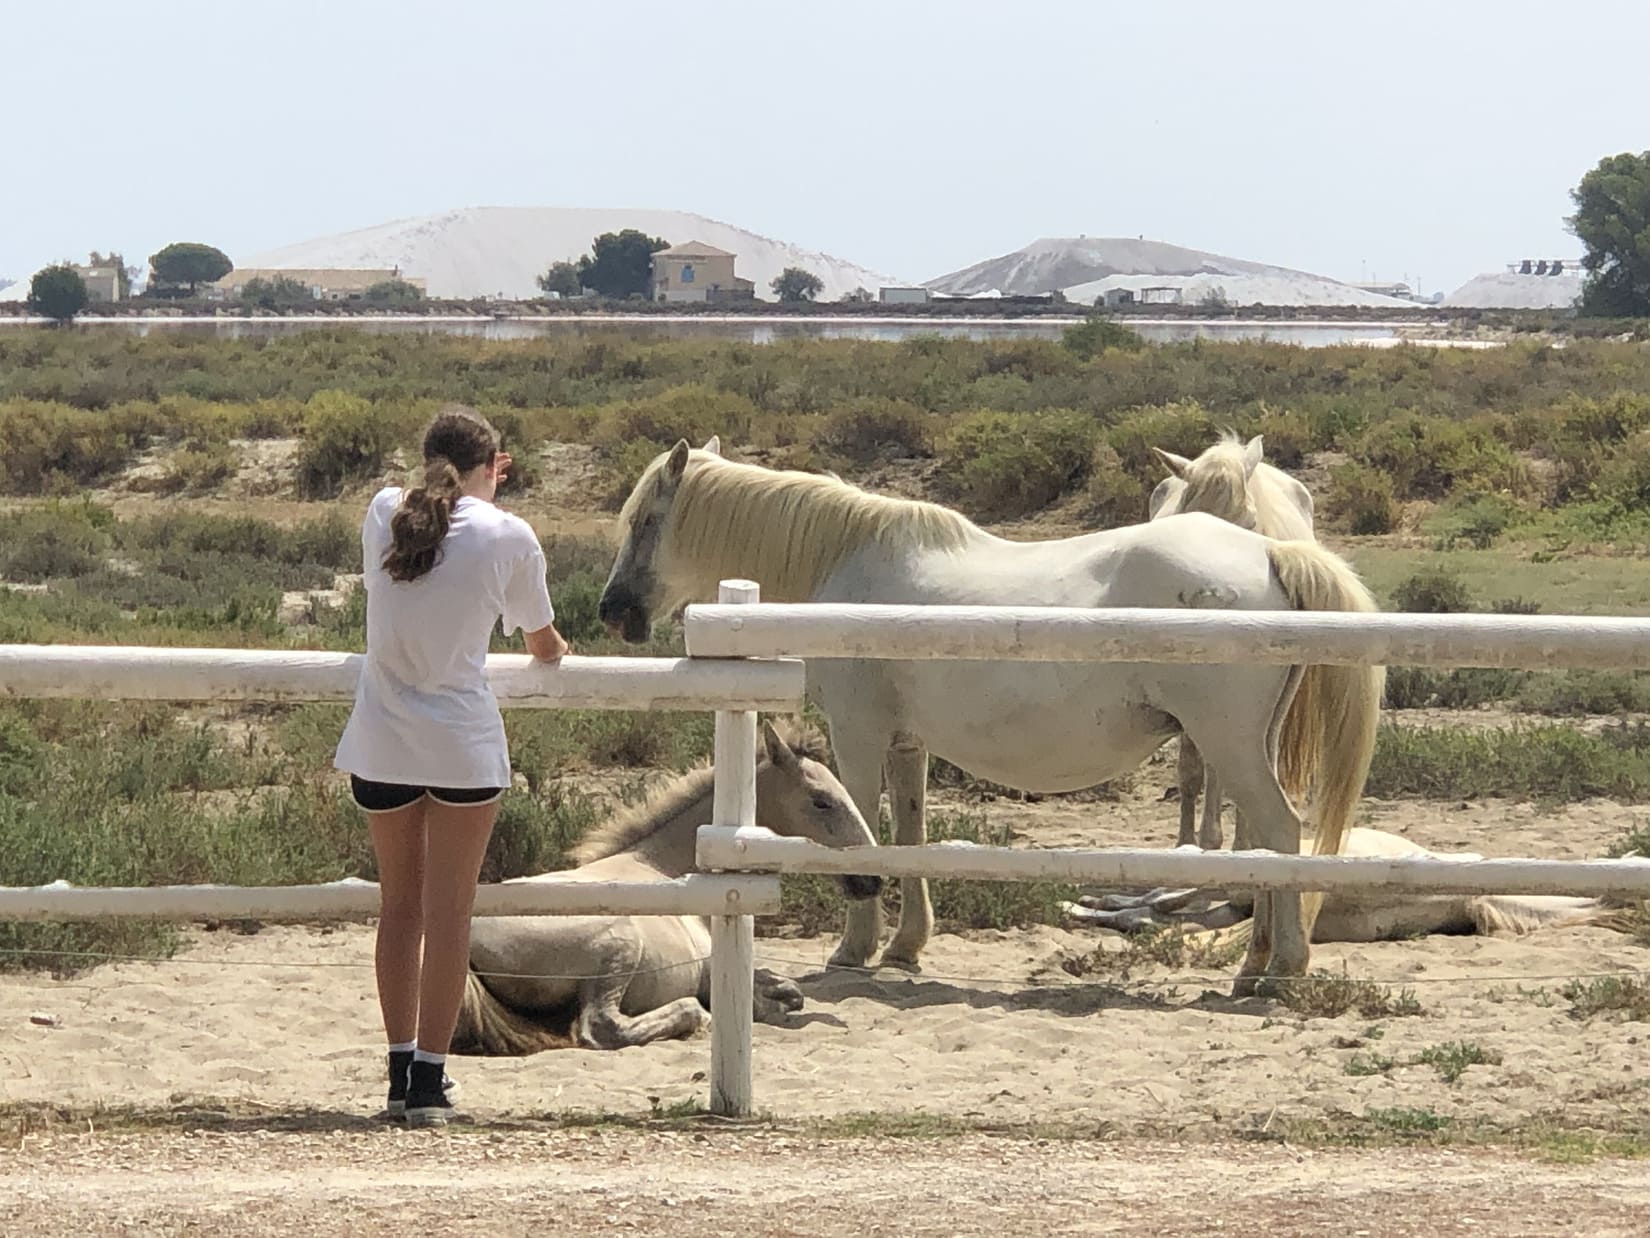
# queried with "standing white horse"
point(695, 519)
point(1230, 480)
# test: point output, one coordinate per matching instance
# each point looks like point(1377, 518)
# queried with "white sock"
point(438, 1059)
point(405, 1047)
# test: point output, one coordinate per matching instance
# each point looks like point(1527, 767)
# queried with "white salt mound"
point(1085, 268)
point(1509, 290)
point(500, 250)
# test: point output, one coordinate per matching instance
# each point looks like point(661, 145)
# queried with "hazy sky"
point(1432, 139)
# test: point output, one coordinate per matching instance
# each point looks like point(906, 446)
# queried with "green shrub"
point(1096, 334)
point(1361, 500)
point(1007, 465)
point(693, 411)
point(1477, 519)
point(1116, 497)
point(345, 439)
point(870, 429)
point(1425, 457)
point(1432, 591)
point(49, 448)
point(1552, 763)
point(1184, 428)
point(55, 541)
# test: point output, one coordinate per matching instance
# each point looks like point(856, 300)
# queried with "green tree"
point(620, 263)
point(562, 278)
point(1612, 220)
point(392, 292)
point(58, 292)
point(795, 284)
point(188, 262)
point(280, 293)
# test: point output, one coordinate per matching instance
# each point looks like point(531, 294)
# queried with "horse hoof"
point(847, 962)
point(1244, 986)
point(1273, 988)
point(900, 963)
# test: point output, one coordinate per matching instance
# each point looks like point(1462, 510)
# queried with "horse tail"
point(1328, 736)
point(489, 1028)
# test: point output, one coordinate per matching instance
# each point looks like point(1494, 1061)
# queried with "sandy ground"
point(342, 1180)
point(993, 1029)
point(269, 1042)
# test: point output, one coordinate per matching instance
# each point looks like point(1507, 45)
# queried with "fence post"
point(733, 937)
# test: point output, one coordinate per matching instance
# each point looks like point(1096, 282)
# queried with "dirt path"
point(682, 1183)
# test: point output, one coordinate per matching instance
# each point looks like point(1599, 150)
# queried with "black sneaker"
point(427, 1102)
point(400, 1066)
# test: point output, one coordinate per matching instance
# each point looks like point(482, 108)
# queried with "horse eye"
point(824, 805)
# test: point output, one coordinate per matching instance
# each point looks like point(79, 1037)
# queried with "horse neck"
point(790, 531)
point(671, 847)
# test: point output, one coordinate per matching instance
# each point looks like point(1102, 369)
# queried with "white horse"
point(1230, 480)
point(1358, 915)
point(609, 982)
point(695, 519)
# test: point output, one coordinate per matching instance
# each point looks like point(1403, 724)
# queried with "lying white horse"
point(1230, 480)
point(694, 519)
point(608, 982)
point(1365, 915)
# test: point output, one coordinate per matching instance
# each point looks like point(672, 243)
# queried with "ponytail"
point(420, 524)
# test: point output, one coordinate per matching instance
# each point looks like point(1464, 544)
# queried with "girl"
point(425, 746)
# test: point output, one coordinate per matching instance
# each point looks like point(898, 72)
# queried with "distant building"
point(324, 284)
point(102, 282)
point(1115, 298)
point(1160, 296)
point(903, 296)
point(695, 271)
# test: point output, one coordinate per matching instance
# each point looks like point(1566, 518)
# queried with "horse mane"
point(1216, 483)
point(789, 530)
point(633, 826)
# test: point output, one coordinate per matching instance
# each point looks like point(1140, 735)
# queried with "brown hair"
point(458, 440)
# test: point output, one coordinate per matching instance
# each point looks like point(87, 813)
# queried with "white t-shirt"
point(424, 713)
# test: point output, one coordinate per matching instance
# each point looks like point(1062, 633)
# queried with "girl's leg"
point(398, 842)
point(455, 845)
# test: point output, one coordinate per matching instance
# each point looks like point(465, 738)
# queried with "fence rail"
point(759, 851)
point(134, 673)
point(1129, 634)
point(698, 894)
point(720, 674)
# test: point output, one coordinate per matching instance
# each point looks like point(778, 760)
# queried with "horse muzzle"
point(624, 615)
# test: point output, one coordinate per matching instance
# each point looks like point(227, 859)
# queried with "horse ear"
point(678, 460)
point(779, 752)
point(1175, 464)
point(1253, 452)
point(713, 444)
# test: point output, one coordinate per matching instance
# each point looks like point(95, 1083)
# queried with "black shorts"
point(390, 796)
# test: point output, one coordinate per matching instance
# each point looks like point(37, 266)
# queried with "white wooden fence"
point(720, 675)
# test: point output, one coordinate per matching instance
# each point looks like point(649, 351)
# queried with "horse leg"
point(907, 791)
point(1209, 836)
point(1189, 775)
point(859, 766)
point(1277, 942)
point(603, 1025)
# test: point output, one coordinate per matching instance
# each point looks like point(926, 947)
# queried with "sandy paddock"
point(993, 1029)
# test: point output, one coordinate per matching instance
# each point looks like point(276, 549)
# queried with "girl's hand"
point(501, 466)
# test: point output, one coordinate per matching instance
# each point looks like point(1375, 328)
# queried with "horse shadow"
point(908, 991)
